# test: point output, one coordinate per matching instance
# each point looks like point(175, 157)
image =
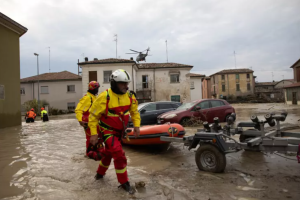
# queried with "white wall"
point(100, 68)
point(196, 93)
point(58, 97)
point(163, 88)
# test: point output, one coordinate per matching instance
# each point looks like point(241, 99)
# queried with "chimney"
point(95, 58)
point(86, 59)
point(131, 58)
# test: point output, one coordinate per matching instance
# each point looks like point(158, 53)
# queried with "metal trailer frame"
point(212, 158)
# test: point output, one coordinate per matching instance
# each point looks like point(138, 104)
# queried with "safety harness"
point(121, 117)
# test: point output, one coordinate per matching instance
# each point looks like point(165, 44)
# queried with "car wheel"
point(185, 121)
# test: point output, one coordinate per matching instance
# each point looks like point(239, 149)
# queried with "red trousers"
point(113, 149)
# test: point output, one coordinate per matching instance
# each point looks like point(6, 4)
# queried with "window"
point(237, 77)
point(145, 81)
point(223, 77)
point(175, 98)
point(203, 105)
point(71, 88)
point(162, 106)
point(248, 87)
point(217, 103)
point(2, 92)
point(44, 90)
point(223, 88)
point(237, 87)
point(22, 90)
point(71, 106)
point(192, 85)
point(106, 76)
point(93, 76)
point(248, 75)
point(150, 107)
point(174, 78)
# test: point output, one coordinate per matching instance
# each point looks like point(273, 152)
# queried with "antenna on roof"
point(116, 39)
point(234, 58)
point(167, 50)
point(272, 76)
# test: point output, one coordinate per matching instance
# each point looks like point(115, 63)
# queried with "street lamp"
point(37, 56)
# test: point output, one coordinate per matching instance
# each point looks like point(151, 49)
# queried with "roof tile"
point(54, 76)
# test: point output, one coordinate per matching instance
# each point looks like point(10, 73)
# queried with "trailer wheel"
point(209, 158)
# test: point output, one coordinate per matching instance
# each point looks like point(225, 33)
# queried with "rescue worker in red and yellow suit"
point(30, 116)
point(111, 110)
point(82, 110)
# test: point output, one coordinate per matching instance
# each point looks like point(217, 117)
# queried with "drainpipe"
point(32, 90)
point(228, 86)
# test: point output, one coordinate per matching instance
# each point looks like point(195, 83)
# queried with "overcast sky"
point(265, 34)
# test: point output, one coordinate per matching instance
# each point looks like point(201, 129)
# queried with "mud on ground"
point(46, 161)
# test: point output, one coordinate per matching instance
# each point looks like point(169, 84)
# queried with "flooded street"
point(46, 161)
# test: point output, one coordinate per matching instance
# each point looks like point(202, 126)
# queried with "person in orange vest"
point(30, 116)
point(111, 111)
point(82, 113)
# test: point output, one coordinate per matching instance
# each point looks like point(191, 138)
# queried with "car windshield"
point(186, 106)
point(141, 106)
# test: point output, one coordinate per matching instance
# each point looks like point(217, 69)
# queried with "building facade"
point(10, 109)
point(62, 90)
point(206, 88)
point(150, 81)
point(292, 91)
point(232, 83)
point(196, 86)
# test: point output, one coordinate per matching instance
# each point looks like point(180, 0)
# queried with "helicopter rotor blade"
point(134, 51)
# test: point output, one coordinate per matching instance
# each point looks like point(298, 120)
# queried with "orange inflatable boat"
point(151, 134)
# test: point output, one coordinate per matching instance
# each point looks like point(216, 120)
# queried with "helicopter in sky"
point(141, 56)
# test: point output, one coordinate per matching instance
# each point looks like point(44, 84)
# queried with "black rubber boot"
point(126, 186)
point(98, 176)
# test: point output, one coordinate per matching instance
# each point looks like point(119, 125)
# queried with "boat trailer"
point(215, 141)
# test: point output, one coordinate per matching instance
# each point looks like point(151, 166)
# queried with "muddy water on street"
point(46, 161)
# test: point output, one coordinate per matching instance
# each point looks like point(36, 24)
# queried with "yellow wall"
point(10, 107)
point(230, 85)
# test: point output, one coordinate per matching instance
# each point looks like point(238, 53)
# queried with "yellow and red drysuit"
point(82, 114)
point(112, 111)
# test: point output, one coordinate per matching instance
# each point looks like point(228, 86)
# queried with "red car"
point(205, 110)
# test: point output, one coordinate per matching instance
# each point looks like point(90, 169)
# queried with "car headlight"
point(170, 116)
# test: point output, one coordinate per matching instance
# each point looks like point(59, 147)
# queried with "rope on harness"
point(171, 128)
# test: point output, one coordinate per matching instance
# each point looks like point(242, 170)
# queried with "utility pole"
point(49, 59)
point(272, 76)
point(167, 50)
point(234, 59)
point(116, 40)
point(38, 73)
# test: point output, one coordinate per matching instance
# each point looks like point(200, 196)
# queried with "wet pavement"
point(46, 161)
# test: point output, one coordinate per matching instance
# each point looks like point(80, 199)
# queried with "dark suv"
point(151, 110)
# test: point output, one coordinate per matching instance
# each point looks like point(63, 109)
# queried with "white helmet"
point(120, 75)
